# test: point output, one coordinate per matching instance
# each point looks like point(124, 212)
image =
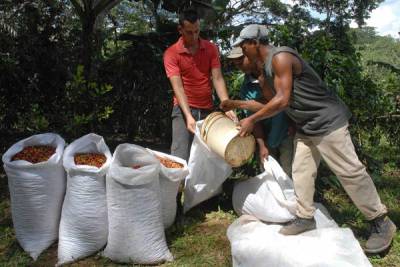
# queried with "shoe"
point(297, 226)
point(382, 233)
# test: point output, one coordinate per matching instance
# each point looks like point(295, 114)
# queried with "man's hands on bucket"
point(228, 106)
point(246, 127)
point(232, 115)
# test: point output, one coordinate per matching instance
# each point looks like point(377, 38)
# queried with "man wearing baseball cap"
point(272, 134)
point(321, 120)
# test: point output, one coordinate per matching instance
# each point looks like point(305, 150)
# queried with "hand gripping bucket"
point(221, 135)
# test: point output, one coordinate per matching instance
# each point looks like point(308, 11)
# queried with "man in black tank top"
point(289, 84)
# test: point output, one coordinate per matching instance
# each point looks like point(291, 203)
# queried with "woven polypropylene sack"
point(170, 179)
point(268, 196)
point(136, 230)
point(37, 192)
point(256, 244)
point(207, 172)
point(84, 222)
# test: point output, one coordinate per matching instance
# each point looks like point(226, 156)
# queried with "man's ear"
point(180, 28)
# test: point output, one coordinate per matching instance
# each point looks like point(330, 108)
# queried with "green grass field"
point(200, 239)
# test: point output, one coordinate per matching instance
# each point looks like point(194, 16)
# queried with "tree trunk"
point(88, 43)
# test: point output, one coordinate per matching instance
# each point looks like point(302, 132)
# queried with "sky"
point(385, 18)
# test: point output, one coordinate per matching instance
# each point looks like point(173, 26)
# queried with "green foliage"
point(33, 120)
point(343, 10)
point(277, 8)
point(380, 65)
point(295, 29)
point(142, 94)
point(129, 17)
point(85, 105)
point(34, 64)
point(234, 81)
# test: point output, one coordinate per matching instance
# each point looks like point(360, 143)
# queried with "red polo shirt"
point(195, 71)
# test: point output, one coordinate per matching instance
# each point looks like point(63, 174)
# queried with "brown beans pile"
point(35, 154)
point(169, 163)
point(91, 159)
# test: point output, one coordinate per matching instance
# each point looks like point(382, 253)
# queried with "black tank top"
point(314, 108)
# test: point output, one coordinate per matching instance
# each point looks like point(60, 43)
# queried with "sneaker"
point(382, 233)
point(297, 226)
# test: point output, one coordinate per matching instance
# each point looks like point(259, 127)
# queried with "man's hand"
point(191, 124)
point(246, 127)
point(263, 152)
point(232, 116)
point(228, 105)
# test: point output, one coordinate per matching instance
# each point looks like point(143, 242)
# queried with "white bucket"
point(221, 134)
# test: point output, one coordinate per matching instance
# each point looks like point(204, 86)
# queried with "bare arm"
point(251, 105)
point(283, 82)
point(220, 88)
point(180, 95)
point(219, 84)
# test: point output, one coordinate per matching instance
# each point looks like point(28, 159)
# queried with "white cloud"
point(289, 2)
point(386, 18)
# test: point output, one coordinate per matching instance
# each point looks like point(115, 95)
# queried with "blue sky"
point(385, 18)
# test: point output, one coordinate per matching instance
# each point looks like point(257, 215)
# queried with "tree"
point(91, 14)
point(343, 10)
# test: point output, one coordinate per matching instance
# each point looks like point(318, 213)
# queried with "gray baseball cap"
point(251, 32)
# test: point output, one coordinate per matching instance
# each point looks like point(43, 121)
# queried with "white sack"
point(268, 196)
point(207, 172)
point(170, 179)
point(136, 230)
point(37, 191)
point(84, 225)
point(256, 244)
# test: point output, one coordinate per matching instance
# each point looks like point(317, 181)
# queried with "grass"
point(200, 238)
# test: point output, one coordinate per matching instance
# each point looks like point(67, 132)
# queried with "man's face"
point(249, 48)
point(190, 32)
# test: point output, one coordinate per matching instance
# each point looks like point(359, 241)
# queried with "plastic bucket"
point(221, 135)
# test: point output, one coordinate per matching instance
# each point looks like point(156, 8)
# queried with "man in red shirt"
point(191, 65)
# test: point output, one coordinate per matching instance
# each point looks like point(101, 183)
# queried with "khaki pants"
point(337, 150)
